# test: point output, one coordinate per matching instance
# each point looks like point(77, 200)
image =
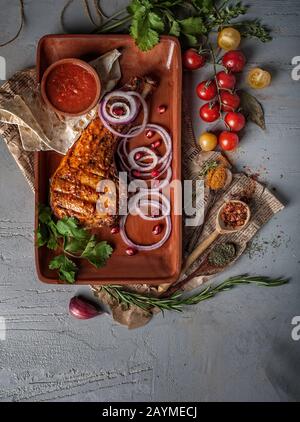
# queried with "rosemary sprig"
point(176, 301)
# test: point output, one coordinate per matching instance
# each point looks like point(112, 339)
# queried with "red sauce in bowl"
point(71, 88)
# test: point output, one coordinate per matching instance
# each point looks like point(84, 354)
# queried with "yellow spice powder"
point(216, 178)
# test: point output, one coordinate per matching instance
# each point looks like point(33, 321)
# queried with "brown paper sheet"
point(264, 204)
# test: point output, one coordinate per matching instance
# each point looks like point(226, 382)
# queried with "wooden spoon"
point(220, 229)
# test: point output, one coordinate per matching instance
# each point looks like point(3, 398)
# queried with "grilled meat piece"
point(73, 188)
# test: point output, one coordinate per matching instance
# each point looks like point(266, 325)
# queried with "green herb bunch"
point(190, 20)
point(73, 240)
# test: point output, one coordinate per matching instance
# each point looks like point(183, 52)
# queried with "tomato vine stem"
point(214, 63)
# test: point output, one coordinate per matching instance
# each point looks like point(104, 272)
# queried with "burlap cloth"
point(263, 203)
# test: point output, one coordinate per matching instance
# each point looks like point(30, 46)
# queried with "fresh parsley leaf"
point(75, 245)
point(142, 30)
point(174, 29)
point(68, 226)
point(204, 6)
point(168, 4)
point(191, 40)
point(75, 240)
point(47, 232)
point(156, 22)
point(146, 24)
point(97, 253)
point(136, 5)
point(66, 268)
point(193, 26)
point(45, 214)
point(42, 235)
point(52, 242)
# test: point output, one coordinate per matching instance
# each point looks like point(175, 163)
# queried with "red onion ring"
point(164, 206)
point(113, 119)
point(145, 248)
point(143, 166)
point(163, 161)
point(141, 128)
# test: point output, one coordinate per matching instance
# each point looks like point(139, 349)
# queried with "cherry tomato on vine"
point(228, 141)
point(230, 101)
point(192, 60)
point(208, 141)
point(258, 78)
point(236, 121)
point(229, 39)
point(207, 90)
point(210, 112)
point(226, 80)
point(234, 60)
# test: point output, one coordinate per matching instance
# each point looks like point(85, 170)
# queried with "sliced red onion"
point(145, 247)
point(142, 167)
point(123, 106)
point(135, 202)
point(145, 165)
point(163, 162)
point(131, 110)
point(129, 134)
point(153, 204)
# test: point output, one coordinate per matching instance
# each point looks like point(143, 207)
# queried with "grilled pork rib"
point(73, 187)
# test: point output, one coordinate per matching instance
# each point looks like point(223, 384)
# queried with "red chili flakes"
point(234, 214)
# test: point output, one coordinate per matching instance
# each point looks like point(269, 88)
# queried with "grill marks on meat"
point(90, 160)
point(73, 185)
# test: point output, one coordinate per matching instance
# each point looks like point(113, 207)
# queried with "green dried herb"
point(222, 254)
point(207, 166)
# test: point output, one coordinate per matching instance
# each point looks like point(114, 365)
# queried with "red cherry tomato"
point(226, 80)
point(192, 59)
point(228, 140)
point(207, 90)
point(210, 112)
point(236, 121)
point(230, 101)
point(234, 60)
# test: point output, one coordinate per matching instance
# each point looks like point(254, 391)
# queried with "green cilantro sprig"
point(72, 239)
point(189, 20)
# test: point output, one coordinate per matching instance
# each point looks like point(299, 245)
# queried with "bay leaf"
point(252, 109)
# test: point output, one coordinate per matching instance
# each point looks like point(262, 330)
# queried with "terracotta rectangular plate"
point(164, 61)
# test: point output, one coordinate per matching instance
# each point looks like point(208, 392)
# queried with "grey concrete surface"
point(237, 346)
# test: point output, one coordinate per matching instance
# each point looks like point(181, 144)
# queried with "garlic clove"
point(82, 308)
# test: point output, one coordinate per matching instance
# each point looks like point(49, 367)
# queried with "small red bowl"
point(81, 64)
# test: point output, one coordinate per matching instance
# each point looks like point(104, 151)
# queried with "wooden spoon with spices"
point(219, 257)
point(232, 217)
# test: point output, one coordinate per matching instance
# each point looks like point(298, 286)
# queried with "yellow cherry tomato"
point(258, 78)
point(229, 39)
point(208, 141)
